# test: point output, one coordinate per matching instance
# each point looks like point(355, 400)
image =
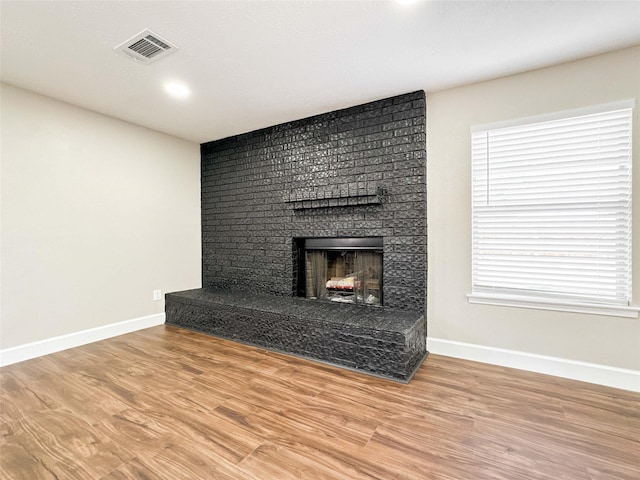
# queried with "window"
point(551, 212)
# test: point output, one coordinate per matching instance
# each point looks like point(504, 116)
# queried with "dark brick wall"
point(355, 172)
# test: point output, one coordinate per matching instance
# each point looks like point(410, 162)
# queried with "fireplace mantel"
point(358, 193)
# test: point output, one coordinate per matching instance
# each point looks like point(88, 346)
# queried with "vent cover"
point(146, 47)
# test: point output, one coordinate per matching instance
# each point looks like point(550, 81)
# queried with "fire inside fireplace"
point(347, 270)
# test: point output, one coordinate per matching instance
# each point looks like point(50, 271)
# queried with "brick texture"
point(380, 341)
point(355, 172)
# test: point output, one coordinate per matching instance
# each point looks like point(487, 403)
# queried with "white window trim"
point(541, 303)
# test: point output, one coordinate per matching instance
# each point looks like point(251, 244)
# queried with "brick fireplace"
point(358, 172)
point(353, 173)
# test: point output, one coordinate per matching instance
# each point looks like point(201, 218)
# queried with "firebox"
point(348, 270)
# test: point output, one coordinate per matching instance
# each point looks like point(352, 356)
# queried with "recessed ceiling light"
point(177, 89)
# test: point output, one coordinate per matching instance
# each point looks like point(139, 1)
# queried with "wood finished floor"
point(166, 403)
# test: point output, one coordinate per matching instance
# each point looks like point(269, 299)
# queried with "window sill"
point(555, 305)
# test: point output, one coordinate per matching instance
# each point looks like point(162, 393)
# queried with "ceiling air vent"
point(146, 47)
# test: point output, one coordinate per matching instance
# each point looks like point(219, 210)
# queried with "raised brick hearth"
point(357, 172)
point(381, 341)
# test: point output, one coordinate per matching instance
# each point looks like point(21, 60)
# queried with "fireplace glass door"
point(350, 275)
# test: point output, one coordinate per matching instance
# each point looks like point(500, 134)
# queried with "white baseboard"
point(560, 367)
point(76, 339)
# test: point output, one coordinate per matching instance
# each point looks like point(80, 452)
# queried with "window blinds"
point(552, 209)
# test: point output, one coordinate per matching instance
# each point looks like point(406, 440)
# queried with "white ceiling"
point(260, 63)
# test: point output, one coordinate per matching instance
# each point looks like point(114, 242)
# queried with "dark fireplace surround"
point(349, 177)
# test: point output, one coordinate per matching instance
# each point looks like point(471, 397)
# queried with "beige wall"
point(596, 339)
point(96, 214)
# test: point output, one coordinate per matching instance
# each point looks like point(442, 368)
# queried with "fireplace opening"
point(347, 270)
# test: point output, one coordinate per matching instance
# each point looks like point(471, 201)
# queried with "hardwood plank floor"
point(166, 403)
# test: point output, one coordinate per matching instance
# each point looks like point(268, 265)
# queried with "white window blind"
point(551, 209)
